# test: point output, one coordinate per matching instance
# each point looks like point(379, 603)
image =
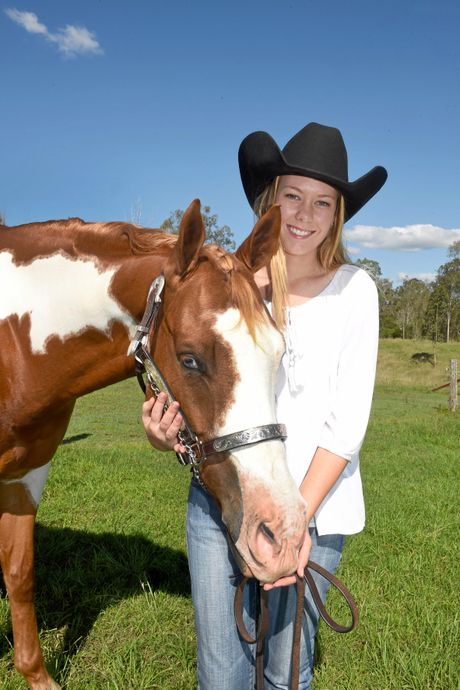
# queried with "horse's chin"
point(244, 568)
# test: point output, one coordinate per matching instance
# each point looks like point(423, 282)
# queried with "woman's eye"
point(323, 204)
point(290, 195)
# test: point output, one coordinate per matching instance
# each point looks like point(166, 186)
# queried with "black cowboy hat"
point(316, 151)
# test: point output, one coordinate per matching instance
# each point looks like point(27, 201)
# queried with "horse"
point(71, 295)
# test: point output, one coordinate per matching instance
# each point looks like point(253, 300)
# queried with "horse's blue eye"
point(191, 362)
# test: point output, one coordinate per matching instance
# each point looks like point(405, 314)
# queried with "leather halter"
point(197, 451)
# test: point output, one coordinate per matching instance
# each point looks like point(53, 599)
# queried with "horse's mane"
point(77, 236)
point(144, 240)
point(126, 238)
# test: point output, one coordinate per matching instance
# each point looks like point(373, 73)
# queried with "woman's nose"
point(304, 211)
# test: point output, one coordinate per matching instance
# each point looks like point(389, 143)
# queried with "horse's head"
point(219, 351)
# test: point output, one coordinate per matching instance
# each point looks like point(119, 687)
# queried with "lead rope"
point(263, 621)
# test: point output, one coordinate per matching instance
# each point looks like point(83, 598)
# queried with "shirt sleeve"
point(345, 427)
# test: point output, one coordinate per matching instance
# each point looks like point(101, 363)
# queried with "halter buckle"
point(194, 451)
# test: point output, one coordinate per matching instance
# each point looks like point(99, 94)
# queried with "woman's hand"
point(162, 427)
point(304, 555)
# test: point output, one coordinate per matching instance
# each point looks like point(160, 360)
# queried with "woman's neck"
point(306, 278)
point(302, 267)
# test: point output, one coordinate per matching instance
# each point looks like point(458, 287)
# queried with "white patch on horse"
point(257, 364)
point(63, 297)
point(34, 481)
point(254, 396)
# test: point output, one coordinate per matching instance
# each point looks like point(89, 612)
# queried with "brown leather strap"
point(295, 654)
point(335, 582)
point(263, 621)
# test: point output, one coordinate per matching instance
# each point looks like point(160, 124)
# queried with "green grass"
point(403, 569)
point(396, 367)
point(113, 594)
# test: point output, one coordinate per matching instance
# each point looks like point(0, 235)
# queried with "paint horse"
point(71, 294)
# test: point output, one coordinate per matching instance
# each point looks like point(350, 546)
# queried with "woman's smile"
point(299, 233)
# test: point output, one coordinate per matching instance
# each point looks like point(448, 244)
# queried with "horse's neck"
point(82, 315)
point(117, 311)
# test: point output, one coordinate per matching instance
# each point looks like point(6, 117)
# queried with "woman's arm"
point(325, 469)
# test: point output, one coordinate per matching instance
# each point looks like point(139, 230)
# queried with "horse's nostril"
point(267, 532)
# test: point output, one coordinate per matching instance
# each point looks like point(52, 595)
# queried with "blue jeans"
point(224, 661)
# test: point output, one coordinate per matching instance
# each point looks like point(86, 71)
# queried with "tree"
point(370, 266)
point(454, 250)
point(223, 235)
point(449, 283)
point(412, 302)
point(389, 327)
point(432, 326)
point(443, 314)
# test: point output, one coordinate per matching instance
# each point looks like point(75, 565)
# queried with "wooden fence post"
point(453, 395)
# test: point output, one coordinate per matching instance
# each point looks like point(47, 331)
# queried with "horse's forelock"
point(246, 301)
point(244, 294)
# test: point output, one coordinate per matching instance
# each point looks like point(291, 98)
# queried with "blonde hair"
point(331, 253)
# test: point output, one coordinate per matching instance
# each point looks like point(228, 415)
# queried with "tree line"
point(416, 309)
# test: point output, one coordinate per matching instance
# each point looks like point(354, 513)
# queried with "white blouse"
point(325, 385)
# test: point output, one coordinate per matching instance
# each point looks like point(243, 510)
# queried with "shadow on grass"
point(79, 574)
point(74, 439)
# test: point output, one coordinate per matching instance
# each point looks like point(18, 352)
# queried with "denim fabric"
point(224, 661)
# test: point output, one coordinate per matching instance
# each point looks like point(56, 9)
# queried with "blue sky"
point(117, 109)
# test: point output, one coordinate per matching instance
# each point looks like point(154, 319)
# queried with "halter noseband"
point(197, 451)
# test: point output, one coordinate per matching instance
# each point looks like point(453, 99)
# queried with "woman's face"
point(307, 213)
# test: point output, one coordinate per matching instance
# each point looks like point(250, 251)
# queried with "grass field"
point(112, 582)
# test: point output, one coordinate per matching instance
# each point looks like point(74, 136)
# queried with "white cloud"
point(353, 250)
point(76, 40)
point(28, 20)
point(71, 40)
point(412, 238)
point(425, 277)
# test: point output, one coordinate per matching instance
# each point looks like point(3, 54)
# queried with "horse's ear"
point(263, 242)
point(191, 238)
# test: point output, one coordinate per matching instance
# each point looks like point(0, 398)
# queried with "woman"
point(328, 310)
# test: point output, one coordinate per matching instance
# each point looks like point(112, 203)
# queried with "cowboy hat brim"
point(261, 160)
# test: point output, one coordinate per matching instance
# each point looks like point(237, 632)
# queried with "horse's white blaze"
point(254, 399)
point(63, 296)
point(34, 481)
